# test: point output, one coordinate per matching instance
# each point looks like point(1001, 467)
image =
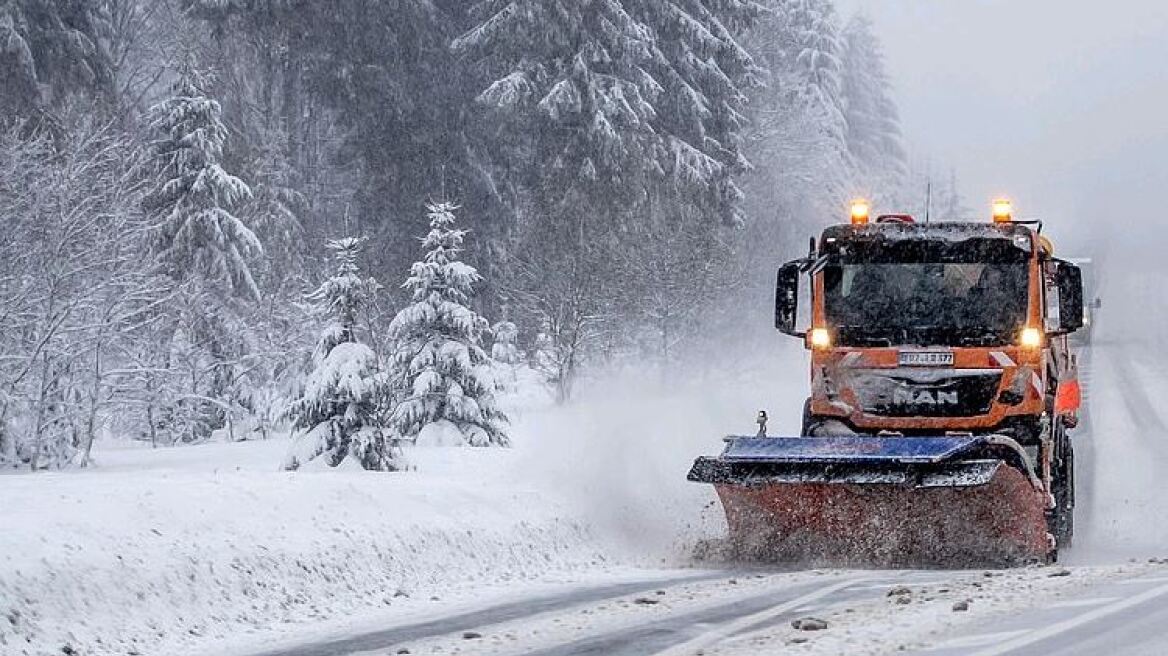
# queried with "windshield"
point(931, 303)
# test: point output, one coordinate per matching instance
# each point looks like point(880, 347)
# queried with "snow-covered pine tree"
point(873, 137)
point(819, 50)
point(571, 80)
point(504, 350)
point(51, 52)
point(198, 234)
point(818, 71)
point(339, 414)
point(798, 138)
point(274, 211)
point(703, 72)
point(621, 95)
point(505, 353)
point(616, 114)
point(201, 243)
point(440, 370)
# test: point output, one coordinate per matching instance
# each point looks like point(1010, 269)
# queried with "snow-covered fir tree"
point(798, 134)
point(204, 246)
point(704, 78)
point(504, 350)
point(615, 114)
point(198, 233)
point(569, 82)
point(51, 52)
point(819, 56)
point(505, 353)
point(873, 122)
point(440, 370)
point(818, 75)
point(799, 125)
point(621, 94)
point(338, 416)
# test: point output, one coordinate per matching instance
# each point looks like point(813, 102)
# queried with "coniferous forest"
point(237, 217)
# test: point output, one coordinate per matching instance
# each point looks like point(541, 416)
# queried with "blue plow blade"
point(849, 450)
point(943, 461)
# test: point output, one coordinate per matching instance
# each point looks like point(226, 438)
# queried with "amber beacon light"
point(1003, 210)
point(861, 210)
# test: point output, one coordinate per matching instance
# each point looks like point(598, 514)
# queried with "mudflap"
point(950, 502)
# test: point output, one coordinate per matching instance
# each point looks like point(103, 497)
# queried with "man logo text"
point(924, 397)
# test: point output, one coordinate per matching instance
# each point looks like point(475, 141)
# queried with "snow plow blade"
point(952, 500)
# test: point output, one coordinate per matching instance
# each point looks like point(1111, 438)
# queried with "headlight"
point(820, 338)
point(1030, 338)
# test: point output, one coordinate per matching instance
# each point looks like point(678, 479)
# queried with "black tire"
point(808, 420)
point(1067, 536)
point(1063, 488)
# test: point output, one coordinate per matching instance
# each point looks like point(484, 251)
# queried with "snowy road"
point(685, 632)
point(489, 616)
point(1027, 611)
point(668, 617)
point(1128, 617)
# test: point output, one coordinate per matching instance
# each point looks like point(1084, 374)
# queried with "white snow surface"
point(171, 550)
point(159, 550)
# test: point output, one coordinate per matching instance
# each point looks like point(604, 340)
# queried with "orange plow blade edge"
point(950, 501)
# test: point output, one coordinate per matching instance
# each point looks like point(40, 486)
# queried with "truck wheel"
point(820, 426)
point(1067, 527)
point(808, 420)
point(1063, 488)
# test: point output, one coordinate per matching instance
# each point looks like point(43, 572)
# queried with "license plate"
point(926, 358)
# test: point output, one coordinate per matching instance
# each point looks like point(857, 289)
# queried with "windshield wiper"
point(922, 336)
point(859, 336)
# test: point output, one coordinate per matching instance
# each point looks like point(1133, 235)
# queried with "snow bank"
point(164, 551)
point(160, 549)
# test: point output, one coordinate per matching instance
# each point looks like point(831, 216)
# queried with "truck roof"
point(938, 230)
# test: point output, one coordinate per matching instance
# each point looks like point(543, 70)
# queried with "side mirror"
point(787, 297)
point(1070, 290)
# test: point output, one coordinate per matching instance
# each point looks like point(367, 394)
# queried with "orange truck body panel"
point(1013, 362)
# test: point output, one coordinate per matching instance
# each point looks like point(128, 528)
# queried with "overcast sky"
point(1061, 104)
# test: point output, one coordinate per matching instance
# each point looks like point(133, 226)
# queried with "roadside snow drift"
point(158, 549)
point(165, 551)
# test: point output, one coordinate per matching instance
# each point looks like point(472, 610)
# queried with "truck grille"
point(907, 393)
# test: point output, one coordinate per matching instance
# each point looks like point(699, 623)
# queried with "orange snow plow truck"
point(942, 392)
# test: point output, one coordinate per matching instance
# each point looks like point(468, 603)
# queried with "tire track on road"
point(1036, 637)
point(499, 614)
point(1105, 617)
point(689, 632)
